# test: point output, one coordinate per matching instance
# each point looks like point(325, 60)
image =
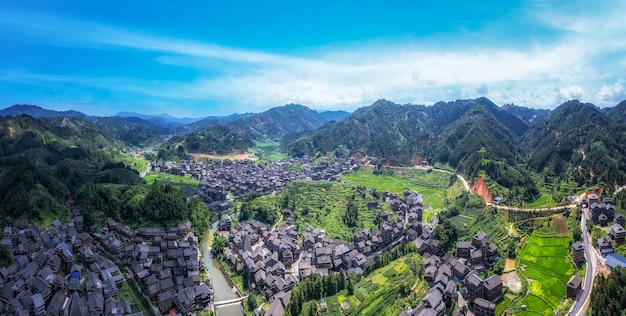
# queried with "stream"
point(220, 286)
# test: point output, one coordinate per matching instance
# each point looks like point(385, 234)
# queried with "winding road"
point(578, 308)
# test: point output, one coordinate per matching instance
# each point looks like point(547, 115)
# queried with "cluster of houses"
point(239, 178)
point(273, 261)
point(602, 213)
point(445, 272)
point(166, 262)
point(57, 271)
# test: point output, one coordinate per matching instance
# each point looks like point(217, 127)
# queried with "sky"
point(202, 58)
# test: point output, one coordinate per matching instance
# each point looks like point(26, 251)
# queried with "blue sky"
point(212, 58)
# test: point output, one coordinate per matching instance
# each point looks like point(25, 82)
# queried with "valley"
point(334, 202)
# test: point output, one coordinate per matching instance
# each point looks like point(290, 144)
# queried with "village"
point(65, 270)
point(274, 261)
point(238, 178)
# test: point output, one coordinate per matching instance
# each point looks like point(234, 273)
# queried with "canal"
point(222, 291)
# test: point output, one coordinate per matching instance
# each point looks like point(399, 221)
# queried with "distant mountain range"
point(508, 145)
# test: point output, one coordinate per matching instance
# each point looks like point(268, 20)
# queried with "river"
point(221, 290)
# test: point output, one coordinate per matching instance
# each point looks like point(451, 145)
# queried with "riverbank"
point(221, 282)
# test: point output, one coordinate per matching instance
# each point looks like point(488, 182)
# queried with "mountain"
point(578, 140)
point(280, 121)
point(37, 112)
point(210, 121)
point(132, 131)
point(399, 132)
point(617, 113)
point(44, 161)
point(162, 120)
point(384, 129)
point(528, 115)
point(217, 139)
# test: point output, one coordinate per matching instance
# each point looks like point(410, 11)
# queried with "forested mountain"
point(528, 115)
point(384, 129)
point(280, 121)
point(578, 140)
point(399, 132)
point(133, 131)
point(37, 112)
point(617, 113)
point(43, 161)
point(210, 121)
point(217, 139)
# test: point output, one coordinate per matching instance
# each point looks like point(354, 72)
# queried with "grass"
point(432, 185)
point(545, 260)
point(135, 163)
point(126, 294)
point(377, 294)
point(182, 181)
point(502, 304)
point(544, 200)
point(271, 150)
point(324, 204)
point(486, 220)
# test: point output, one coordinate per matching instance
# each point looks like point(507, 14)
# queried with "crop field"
point(378, 294)
point(324, 204)
point(271, 150)
point(544, 260)
point(465, 217)
point(182, 181)
point(131, 161)
point(432, 185)
point(488, 221)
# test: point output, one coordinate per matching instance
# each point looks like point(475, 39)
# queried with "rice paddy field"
point(544, 259)
point(378, 294)
point(181, 181)
point(432, 185)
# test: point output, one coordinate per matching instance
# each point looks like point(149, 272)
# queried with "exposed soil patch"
point(559, 225)
point(509, 265)
point(482, 189)
point(240, 156)
point(512, 281)
point(417, 160)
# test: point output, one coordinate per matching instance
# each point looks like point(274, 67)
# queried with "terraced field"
point(432, 185)
point(544, 260)
point(379, 294)
point(323, 204)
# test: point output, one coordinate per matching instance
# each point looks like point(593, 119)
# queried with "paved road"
point(556, 208)
point(590, 256)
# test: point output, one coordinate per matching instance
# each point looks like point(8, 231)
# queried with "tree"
point(6, 256)
point(447, 234)
point(219, 243)
point(350, 284)
point(608, 296)
point(251, 304)
point(351, 217)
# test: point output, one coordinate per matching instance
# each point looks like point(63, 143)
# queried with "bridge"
point(229, 302)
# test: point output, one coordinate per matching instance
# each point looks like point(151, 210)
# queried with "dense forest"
point(608, 297)
point(47, 161)
point(511, 147)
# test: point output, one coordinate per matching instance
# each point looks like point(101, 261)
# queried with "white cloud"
point(572, 92)
point(614, 93)
point(347, 77)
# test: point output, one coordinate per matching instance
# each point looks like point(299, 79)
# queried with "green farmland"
point(324, 204)
point(432, 185)
point(180, 181)
point(544, 259)
point(381, 292)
